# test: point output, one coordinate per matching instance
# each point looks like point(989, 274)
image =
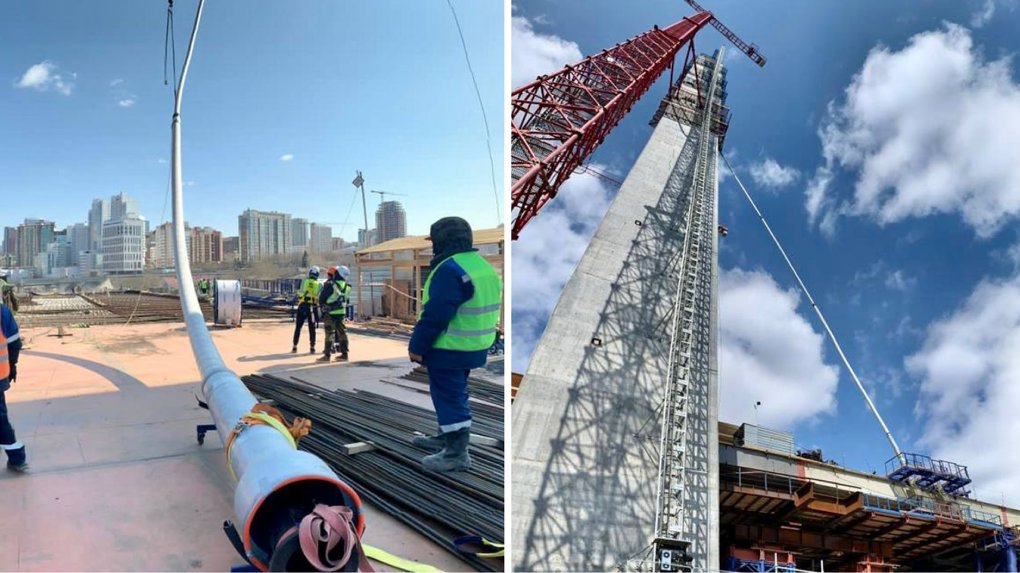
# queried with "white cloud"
point(127, 102)
point(969, 365)
point(43, 77)
point(771, 175)
point(898, 280)
point(161, 160)
point(769, 352)
point(286, 157)
point(535, 54)
point(116, 82)
point(1013, 255)
point(540, 272)
point(932, 128)
point(983, 16)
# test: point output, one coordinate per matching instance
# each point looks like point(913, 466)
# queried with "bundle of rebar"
point(477, 387)
point(440, 506)
point(114, 308)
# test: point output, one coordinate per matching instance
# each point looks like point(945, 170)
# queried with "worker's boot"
point(20, 468)
point(323, 358)
point(16, 460)
point(312, 351)
point(293, 349)
point(454, 457)
point(436, 442)
point(343, 353)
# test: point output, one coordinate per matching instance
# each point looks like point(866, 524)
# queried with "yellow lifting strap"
point(394, 561)
point(468, 543)
point(269, 416)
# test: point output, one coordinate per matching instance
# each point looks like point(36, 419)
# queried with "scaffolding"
point(685, 499)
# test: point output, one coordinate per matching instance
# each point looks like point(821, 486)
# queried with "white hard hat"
point(314, 271)
point(343, 271)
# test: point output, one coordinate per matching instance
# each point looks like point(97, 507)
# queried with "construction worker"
point(456, 326)
point(10, 347)
point(7, 294)
point(203, 286)
point(308, 308)
point(333, 301)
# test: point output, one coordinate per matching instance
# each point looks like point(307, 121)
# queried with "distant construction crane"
point(383, 194)
point(558, 120)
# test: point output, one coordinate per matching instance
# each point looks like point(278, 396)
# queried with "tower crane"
point(559, 119)
point(383, 194)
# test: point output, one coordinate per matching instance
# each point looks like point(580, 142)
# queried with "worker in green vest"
point(333, 299)
point(461, 302)
point(308, 308)
point(7, 294)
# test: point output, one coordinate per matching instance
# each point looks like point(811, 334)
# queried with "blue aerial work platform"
point(926, 473)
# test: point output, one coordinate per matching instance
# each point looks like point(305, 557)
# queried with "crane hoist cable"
point(481, 106)
point(818, 311)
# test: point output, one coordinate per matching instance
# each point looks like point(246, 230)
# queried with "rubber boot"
point(17, 461)
point(454, 457)
point(429, 442)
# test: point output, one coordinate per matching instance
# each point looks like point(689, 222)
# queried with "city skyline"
point(263, 127)
point(7, 220)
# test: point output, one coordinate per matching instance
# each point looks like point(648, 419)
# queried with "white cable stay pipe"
point(818, 311)
point(275, 482)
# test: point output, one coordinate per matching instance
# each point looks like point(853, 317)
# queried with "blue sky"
point(880, 141)
point(335, 87)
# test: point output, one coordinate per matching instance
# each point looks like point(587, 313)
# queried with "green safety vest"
point(473, 328)
point(309, 292)
point(337, 300)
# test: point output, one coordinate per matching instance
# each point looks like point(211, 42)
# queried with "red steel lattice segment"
point(558, 120)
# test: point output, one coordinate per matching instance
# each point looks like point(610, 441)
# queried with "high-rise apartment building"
point(390, 221)
point(10, 238)
point(366, 237)
point(98, 214)
point(34, 235)
point(299, 233)
point(230, 249)
point(161, 246)
point(124, 235)
point(320, 238)
point(122, 205)
point(262, 235)
point(205, 245)
point(78, 239)
point(124, 244)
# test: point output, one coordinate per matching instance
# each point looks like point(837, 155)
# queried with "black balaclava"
point(450, 235)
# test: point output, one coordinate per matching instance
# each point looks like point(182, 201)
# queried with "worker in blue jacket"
point(10, 348)
point(461, 302)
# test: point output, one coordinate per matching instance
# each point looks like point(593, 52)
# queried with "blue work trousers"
point(15, 450)
point(448, 388)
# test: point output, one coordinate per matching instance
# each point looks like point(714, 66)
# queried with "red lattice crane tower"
point(558, 120)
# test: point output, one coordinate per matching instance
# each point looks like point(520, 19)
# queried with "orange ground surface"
point(117, 480)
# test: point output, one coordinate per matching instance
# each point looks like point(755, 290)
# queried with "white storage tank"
point(227, 303)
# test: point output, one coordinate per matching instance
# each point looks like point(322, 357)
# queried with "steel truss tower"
point(615, 446)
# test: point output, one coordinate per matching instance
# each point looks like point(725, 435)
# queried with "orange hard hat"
point(331, 271)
